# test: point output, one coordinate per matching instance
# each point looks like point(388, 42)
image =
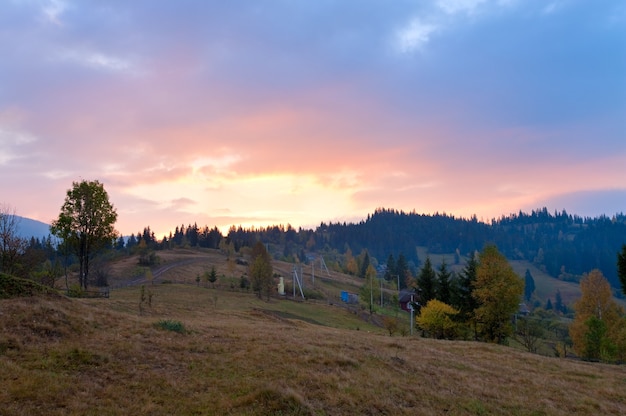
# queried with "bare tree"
point(12, 246)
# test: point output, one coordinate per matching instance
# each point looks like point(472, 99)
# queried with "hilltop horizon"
point(31, 227)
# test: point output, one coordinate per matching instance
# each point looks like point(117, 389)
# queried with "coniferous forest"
point(563, 245)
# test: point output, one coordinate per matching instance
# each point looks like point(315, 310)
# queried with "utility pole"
point(412, 316)
point(371, 295)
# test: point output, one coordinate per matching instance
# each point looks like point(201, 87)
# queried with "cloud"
point(459, 6)
point(552, 7)
point(52, 11)
point(414, 36)
point(588, 203)
point(100, 61)
point(10, 142)
point(302, 112)
point(182, 203)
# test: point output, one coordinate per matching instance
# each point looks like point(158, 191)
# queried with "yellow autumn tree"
point(370, 291)
point(261, 270)
point(437, 318)
point(498, 292)
point(597, 331)
point(352, 267)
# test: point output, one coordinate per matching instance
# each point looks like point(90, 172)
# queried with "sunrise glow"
point(298, 114)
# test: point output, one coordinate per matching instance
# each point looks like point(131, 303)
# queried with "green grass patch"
point(14, 287)
point(171, 325)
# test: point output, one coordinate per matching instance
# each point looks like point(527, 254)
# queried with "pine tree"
point(621, 268)
point(427, 282)
point(402, 271)
point(463, 294)
point(558, 302)
point(529, 285)
point(365, 264)
point(444, 292)
point(391, 272)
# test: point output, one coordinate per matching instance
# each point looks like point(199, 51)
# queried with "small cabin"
point(407, 298)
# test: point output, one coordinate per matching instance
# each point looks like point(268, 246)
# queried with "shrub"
point(11, 287)
point(437, 319)
point(75, 291)
point(313, 294)
point(171, 325)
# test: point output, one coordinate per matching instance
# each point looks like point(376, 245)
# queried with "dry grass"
point(242, 356)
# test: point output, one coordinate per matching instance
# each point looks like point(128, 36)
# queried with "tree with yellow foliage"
point(351, 265)
point(437, 318)
point(370, 291)
point(598, 328)
point(498, 292)
point(261, 270)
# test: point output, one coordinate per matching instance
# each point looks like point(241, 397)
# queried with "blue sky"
point(257, 113)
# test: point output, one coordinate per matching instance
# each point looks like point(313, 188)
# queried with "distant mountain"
point(27, 228)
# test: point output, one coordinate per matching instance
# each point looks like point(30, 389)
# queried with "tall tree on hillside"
point(427, 282)
point(261, 271)
point(86, 223)
point(351, 266)
point(364, 263)
point(370, 291)
point(463, 298)
point(444, 292)
point(621, 268)
point(596, 304)
point(558, 302)
point(402, 271)
point(391, 272)
point(529, 285)
point(498, 291)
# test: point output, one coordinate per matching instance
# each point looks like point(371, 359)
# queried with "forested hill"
point(563, 245)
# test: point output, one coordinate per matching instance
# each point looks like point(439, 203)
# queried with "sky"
point(298, 112)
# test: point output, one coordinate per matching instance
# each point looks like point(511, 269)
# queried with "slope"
point(238, 356)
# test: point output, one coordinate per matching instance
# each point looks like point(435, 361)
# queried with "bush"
point(313, 294)
point(436, 318)
point(75, 291)
point(11, 287)
point(170, 325)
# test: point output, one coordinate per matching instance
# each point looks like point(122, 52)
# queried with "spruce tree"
point(558, 302)
point(391, 272)
point(444, 292)
point(463, 299)
point(402, 271)
point(427, 282)
point(621, 268)
point(529, 285)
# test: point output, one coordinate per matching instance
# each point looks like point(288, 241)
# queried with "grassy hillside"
point(11, 287)
point(238, 355)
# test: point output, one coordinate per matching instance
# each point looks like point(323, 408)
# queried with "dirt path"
point(157, 273)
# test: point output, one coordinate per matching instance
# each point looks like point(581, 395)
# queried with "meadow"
point(195, 349)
